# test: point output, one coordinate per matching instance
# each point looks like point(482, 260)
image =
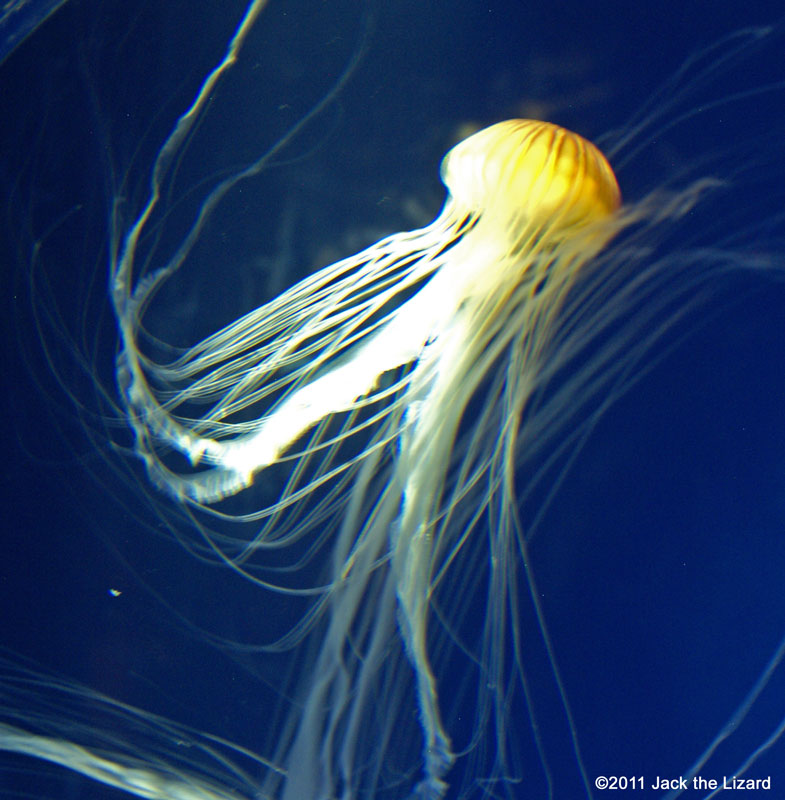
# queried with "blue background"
point(661, 560)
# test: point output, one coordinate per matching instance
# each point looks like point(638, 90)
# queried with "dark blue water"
point(660, 559)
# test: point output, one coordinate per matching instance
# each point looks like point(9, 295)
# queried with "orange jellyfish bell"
point(532, 174)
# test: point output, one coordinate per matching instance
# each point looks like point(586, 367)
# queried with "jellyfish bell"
point(364, 446)
point(532, 170)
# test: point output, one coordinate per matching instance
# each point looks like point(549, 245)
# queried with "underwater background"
point(660, 560)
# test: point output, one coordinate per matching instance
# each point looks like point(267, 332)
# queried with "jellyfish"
point(529, 203)
point(354, 446)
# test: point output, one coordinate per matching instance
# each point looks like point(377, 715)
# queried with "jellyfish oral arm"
point(425, 449)
point(427, 318)
point(399, 342)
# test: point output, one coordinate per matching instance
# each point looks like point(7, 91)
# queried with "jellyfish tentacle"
point(137, 780)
